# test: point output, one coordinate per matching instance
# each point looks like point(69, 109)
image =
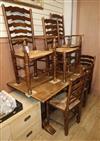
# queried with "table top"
point(44, 91)
point(47, 90)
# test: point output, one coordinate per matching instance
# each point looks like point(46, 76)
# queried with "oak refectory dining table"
point(43, 93)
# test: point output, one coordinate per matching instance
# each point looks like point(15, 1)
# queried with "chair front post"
point(27, 69)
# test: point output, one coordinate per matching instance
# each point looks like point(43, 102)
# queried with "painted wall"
point(67, 16)
point(49, 6)
point(70, 16)
point(89, 25)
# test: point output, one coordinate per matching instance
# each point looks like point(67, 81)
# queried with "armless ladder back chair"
point(66, 102)
point(87, 62)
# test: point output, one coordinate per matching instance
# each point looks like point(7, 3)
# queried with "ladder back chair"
point(68, 101)
point(19, 24)
point(68, 40)
point(87, 62)
point(51, 29)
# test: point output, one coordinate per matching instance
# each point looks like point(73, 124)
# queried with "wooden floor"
point(87, 130)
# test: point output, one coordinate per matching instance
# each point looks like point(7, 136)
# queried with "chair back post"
point(58, 34)
point(44, 32)
point(54, 59)
point(80, 45)
point(32, 27)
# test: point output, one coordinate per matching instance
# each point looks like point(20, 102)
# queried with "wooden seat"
point(66, 102)
point(87, 62)
point(19, 24)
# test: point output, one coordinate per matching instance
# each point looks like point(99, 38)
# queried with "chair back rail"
point(75, 90)
point(60, 20)
point(50, 29)
point(19, 24)
point(87, 61)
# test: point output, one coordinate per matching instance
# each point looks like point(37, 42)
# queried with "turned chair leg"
point(48, 65)
point(84, 99)
point(78, 113)
point(47, 112)
point(66, 123)
point(15, 69)
point(85, 93)
point(89, 87)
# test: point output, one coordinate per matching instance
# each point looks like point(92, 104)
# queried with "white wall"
point(89, 25)
point(50, 6)
point(74, 17)
point(67, 16)
point(70, 16)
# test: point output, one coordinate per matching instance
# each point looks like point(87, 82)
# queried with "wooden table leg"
point(45, 123)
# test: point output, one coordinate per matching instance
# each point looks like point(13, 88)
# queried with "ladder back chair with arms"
point(51, 29)
point(19, 24)
point(68, 101)
point(87, 62)
point(68, 40)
